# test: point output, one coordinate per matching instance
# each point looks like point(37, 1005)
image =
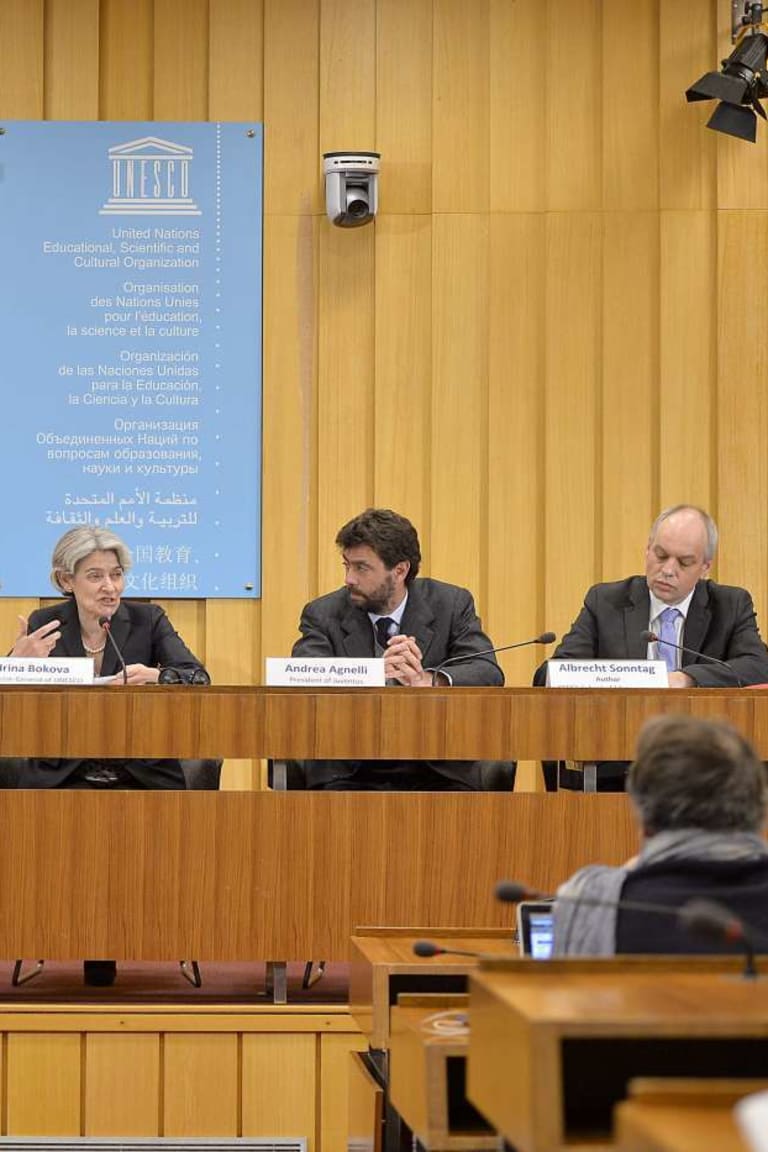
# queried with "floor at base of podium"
point(164, 983)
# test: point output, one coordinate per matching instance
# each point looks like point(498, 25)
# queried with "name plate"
point(607, 674)
point(325, 672)
point(46, 670)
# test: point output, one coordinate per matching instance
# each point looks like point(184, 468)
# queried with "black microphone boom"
point(544, 638)
point(704, 918)
point(654, 638)
point(106, 624)
point(509, 892)
point(426, 949)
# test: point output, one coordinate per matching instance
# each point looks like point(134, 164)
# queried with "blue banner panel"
point(130, 329)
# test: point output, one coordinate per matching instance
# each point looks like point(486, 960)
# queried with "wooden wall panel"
point(460, 131)
point(403, 367)
point(742, 174)
point(743, 405)
point(573, 528)
point(201, 1093)
point(236, 60)
point(630, 398)
point(518, 110)
point(334, 1081)
point(125, 48)
point(122, 1084)
point(279, 1081)
point(688, 47)
point(293, 169)
point(71, 37)
point(572, 77)
point(688, 359)
point(22, 46)
point(459, 465)
point(345, 389)
point(555, 326)
point(181, 56)
point(43, 1058)
point(515, 431)
point(630, 102)
point(347, 75)
point(404, 103)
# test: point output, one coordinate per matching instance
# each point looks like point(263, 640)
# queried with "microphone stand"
point(544, 638)
point(106, 624)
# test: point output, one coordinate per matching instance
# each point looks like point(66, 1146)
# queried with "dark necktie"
point(385, 627)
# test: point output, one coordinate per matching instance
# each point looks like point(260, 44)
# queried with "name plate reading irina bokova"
point(607, 674)
point(325, 672)
point(46, 670)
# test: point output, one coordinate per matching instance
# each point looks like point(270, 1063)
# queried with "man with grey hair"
point(699, 794)
point(707, 632)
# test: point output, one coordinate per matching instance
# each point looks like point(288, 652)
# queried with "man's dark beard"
point(378, 601)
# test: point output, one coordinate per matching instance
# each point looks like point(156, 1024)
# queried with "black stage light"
point(741, 82)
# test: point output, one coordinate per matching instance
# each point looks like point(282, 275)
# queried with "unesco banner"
point(130, 337)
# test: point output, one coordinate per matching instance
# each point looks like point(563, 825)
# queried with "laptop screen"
point(535, 929)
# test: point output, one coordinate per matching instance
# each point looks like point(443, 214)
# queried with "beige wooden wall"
point(134, 1072)
point(556, 325)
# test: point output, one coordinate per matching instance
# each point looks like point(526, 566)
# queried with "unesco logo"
point(150, 177)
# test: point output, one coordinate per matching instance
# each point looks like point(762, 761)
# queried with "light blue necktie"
point(668, 637)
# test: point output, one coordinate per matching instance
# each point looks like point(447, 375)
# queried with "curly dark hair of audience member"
point(691, 773)
point(392, 538)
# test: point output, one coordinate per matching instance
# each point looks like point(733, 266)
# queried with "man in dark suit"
point(675, 601)
point(415, 625)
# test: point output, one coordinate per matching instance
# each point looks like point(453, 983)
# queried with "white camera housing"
point(351, 187)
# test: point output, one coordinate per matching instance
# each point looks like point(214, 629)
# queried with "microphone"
point(544, 638)
point(106, 624)
point(653, 638)
point(706, 919)
point(426, 948)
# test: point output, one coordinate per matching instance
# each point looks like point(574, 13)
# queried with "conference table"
point(256, 875)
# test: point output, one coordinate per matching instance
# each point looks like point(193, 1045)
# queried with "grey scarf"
point(583, 930)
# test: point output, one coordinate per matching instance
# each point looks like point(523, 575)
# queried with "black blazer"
point(442, 618)
point(720, 622)
point(144, 635)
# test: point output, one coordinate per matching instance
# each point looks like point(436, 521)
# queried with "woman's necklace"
point(94, 651)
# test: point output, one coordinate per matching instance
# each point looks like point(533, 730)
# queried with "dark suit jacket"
point(144, 635)
point(441, 616)
point(720, 623)
point(443, 620)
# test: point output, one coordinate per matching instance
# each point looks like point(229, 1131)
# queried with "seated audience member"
point(677, 602)
point(89, 566)
point(415, 624)
point(699, 795)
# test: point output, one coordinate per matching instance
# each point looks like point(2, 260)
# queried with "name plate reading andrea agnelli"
point(325, 672)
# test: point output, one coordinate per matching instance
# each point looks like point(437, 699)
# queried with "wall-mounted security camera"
point(351, 187)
